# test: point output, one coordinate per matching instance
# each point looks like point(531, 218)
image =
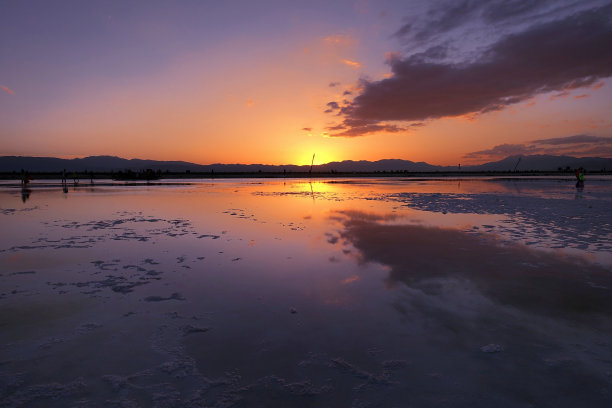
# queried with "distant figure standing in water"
point(25, 178)
point(64, 176)
point(580, 178)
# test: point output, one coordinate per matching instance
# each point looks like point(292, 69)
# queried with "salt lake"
point(361, 292)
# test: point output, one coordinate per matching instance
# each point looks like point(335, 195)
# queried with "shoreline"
point(85, 177)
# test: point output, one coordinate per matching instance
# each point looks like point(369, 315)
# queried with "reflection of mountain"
point(112, 163)
point(427, 258)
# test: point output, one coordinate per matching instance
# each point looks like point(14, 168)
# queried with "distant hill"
point(113, 163)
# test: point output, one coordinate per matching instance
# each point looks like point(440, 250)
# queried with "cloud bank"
point(576, 145)
point(547, 56)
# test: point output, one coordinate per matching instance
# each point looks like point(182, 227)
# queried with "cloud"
point(449, 20)
point(331, 107)
point(440, 19)
point(7, 90)
point(502, 151)
point(560, 95)
point(307, 129)
point(333, 84)
point(354, 128)
point(351, 63)
point(575, 139)
point(249, 102)
point(577, 145)
point(340, 40)
point(554, 56)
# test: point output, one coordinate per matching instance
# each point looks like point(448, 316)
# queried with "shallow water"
point(343, 293)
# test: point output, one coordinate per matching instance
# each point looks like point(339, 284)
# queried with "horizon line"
point(467, 164)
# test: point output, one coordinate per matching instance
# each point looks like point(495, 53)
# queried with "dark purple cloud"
point(503, 150)
point(575, 139)
point(461, 18)
point(333, 84)
point(576, 145)
point(332, 106)
point(357, 127)
point(439, 19)
point(554, 56)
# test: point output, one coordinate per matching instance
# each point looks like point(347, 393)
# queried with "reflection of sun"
point(316, 187)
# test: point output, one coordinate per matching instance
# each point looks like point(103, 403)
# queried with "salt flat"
point(335, 293)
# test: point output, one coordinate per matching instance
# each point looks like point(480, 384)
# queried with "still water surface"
point(331, 293)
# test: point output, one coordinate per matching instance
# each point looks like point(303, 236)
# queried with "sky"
point(274, 82)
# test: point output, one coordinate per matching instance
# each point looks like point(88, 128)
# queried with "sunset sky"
point(273, 82)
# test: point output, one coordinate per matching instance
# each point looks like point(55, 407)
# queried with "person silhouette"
point(579, 173)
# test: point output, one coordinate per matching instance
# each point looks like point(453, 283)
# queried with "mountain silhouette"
point(114, 164)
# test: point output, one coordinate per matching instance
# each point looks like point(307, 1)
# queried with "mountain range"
point(112, 163)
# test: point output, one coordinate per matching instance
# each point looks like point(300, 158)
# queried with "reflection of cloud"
point(7, 90)
point(577, 145)
point(307, 129)
point(532, 280)
point(548, 56)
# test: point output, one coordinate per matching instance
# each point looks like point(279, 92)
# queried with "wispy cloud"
point(502, 151)
point(574, 139)
point(340, 40)
point(351, 63)
point(7, 90)
point(356, 127)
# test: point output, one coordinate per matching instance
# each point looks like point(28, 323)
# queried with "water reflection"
point(424, 258)
point(299, 293)
point(25, 194)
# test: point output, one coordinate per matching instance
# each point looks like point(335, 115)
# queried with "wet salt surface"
point(355, 293)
